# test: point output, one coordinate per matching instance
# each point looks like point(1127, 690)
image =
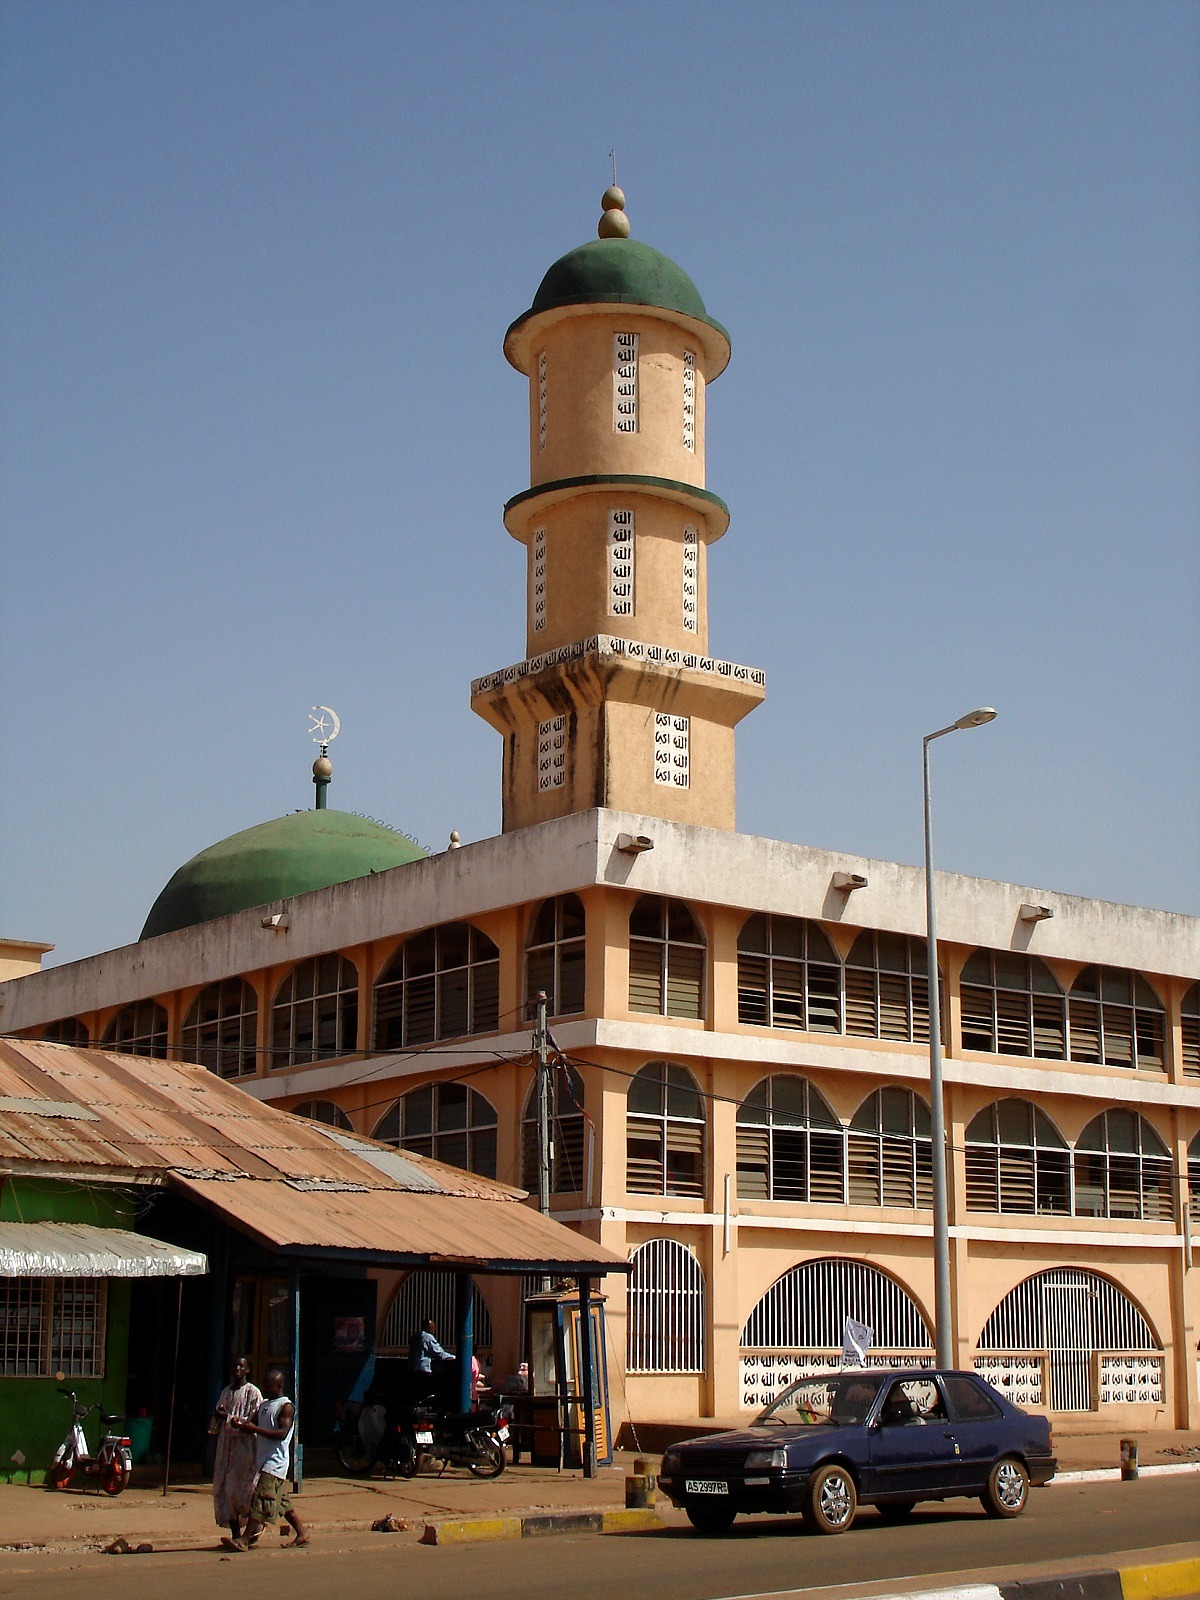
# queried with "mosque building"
point(739, 1026)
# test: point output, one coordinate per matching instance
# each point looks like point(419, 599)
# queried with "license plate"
point(502, 1434)
point(423, 1436)
point(704, 1486)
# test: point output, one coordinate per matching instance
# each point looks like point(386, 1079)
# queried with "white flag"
point(856, 1341)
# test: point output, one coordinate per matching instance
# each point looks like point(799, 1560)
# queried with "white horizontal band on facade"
point(611, 646)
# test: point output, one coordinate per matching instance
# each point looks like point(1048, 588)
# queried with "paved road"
point(1083, 1524)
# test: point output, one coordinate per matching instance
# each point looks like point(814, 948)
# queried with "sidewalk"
point(34, 1516)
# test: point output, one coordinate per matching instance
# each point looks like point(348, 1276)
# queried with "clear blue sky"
point(257, 427)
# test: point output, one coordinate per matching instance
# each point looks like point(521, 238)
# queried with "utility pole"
point(545, 1148)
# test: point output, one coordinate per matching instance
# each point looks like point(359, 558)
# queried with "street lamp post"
point(941, 1226)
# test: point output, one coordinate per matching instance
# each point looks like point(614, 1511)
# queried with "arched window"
point(889, 1157)
point(1013, 1005)
point(140, 1028)
point(790, 1145)
point(569, 1132)
point(67, 1030)
point(1086, 1326)
point(221, 1030)
point(440, 984)
point(324, 1111)
point(666, 959)
point(887, 989)
point(432, 1294)
point(1116, 1019)
point(666, 1309)
point(315, 1015)
point(554, 955)
point(1194, 1178)
point(665, 1132)
point(789, 975)
point(1017, 1161)
point(1191, 1032)
point(1122, 1169)
point(447, 1121)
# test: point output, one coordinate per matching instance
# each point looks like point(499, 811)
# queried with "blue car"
point(876, 1437)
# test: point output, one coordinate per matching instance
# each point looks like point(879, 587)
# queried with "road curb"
point(1161, 1580)
point(542, 1524)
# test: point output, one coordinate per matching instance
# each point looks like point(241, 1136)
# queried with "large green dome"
point(290, 855)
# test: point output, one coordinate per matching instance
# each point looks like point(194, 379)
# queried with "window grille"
point(1123, 1169)
point(440, 984)
point(315, 1014)
point(140, 1029)
point(1017, 1161)
point(1194, 1178)
point(1070, 1314)
point(323, 1111)
point(67, 1030)
point(447, 1121)
point(221, 1029)
point(1191, 1032)
point(570, 1132)
point(50, 1325)
point(1012, 1005)
point(666, 1309)
point(666, 959)
point(665, 1132)
point(554, 955)
point(789, 975)
point(806, 1309)
point(432, 1294)
point(889, 1154)
point(790, 1145)
point(1116, 1019)
point(887, 988)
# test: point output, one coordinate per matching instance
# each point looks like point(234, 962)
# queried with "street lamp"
point(941, 1229)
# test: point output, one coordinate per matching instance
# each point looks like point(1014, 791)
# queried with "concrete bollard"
point(639, 1486)
point(1129, 1459)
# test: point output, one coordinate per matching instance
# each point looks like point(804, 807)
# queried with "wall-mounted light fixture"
point(1031, 913)
point(847, 882)
point(634, 844)
point(279, 922)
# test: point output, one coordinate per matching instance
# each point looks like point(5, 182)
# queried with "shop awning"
point(78, 1250)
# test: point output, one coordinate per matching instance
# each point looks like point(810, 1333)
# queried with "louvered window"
point(1012, 1005)
point(67, 1030)
point(889, 1157)
point(1191, 1032)
point(666, 1309)
point(440, 984)
point(665, 1132)
point(1017, 1161)
point(570, 1136)
point(448, 1121)
point(790, 1145)
point(323, 1111)
point(1194, 1178)
point(554, 955)
point(789, 975)
point(666, 959)
point(315, 1014)
point(1123, 1169)
point(887, 988)
point(221, 1029)
point(1115, 1019)
point(140, 1029)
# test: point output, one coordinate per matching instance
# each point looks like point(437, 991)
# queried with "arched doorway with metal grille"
point(1071, 1340)
point(796, 1329)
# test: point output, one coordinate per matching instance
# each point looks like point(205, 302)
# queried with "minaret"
point(618, 702)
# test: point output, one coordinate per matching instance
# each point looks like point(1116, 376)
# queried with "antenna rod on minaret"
point(613, 154)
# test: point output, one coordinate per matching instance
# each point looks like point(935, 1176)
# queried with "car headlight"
point(758, 1459)
point(670, 1464)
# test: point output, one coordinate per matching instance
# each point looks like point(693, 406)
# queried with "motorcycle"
point(112, 1464)
point(401, 1436)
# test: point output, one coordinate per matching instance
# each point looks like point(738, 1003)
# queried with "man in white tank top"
point(272, 1428)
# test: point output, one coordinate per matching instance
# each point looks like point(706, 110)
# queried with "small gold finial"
point(614, 224)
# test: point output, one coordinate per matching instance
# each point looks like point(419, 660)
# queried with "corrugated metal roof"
point(294, 1184)
point(79, 1250)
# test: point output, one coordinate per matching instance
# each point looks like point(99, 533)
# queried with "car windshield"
point(841, 1398)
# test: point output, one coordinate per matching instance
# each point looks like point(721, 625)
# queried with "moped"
point(110, 1466)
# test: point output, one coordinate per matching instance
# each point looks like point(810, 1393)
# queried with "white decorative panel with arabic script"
point(537, 580)
point(672, 752)
point(691, 568)
point(620, 563)
point(541, 387)
point(552, 753)
point(1126, 1380)
point(689, 400)
point(1018, 1377)
point(625, 382)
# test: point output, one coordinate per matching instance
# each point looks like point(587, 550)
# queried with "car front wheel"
point(712, 1521)
point(832, 1500)
point(1007, 1489)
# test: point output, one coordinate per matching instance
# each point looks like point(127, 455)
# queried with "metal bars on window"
point(432, 1294)
point(50, 1325)
point(666, 1309)
point(806, 1309)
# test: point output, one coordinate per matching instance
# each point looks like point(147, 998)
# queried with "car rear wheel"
point(896, 1510)
point(1007, 1489)
point(712, 1521)
point(832, 1499)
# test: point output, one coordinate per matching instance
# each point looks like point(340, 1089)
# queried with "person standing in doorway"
point(272, 1431)
point(234, 1466)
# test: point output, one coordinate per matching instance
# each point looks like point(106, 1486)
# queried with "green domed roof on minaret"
point(617, 270)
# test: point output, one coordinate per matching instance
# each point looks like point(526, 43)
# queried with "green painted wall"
point(33, 1415)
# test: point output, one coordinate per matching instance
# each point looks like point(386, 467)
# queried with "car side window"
point(911, 1402)
point(968, 1402)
